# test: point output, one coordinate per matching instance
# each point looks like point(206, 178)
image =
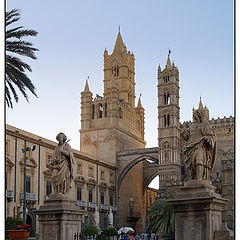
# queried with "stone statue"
point(62, 166)
point(96, 217)
point(200, 150)
point(110, 218)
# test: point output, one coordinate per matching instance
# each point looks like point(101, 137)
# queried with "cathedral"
point(113, 168)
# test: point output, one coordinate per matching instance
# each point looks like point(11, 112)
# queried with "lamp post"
point(25, 150)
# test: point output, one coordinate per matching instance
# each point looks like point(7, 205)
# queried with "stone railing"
point(92, 205)
point(81, 203)
point(29, 197)
point(9, 194)
point(104, 207)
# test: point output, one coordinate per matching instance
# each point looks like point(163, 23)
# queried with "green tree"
point(15, 68)
point(89, 230)
point(162, 218)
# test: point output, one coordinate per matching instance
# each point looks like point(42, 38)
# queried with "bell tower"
point(119, 67)
point(168, 123)
point(111, 123)
point(168, 113)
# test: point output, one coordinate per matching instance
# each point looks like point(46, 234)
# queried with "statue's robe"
point(201, 149)
point(63, 169)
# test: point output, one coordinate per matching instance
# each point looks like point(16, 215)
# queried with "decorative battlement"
point(215, 123)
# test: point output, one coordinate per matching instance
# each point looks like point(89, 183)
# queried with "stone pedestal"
point(59, 219)
point(198, 211)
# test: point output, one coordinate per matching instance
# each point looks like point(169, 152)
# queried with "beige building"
point(113, 168)
point(94, 181)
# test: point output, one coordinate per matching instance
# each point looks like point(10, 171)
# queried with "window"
point(90, 195)
point(79, 193)
point(111, 177)
point(48, 188)
point(85, 220)
point(79, 168)
point(115, 71)
point(166, 79)
point(150, 200)
point(93, 111)
point(105, 109)
point(100, 108)
point(28, 184)
point(49, 158)
point(102, 197)
point(166, 120)
point(166, 98)
point(90, 172)
point(120, 112)
point(111, 199)
point(102, 175)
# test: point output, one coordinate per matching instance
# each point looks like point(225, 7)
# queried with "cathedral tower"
point(168, 113)
point(168, 122)
point(111, 123)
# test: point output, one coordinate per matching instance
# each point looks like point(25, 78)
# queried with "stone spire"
point(139, 103)
point(86, 89)
point(200, 105)
point(119, 43)
point(168, 63)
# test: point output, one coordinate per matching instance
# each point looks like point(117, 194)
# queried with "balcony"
point(92, 205)
point(104, 207)
point(29, 197)
point(9, 195)
point(81, 203)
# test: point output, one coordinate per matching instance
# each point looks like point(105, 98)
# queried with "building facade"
point(113, 168)
point(93, 185)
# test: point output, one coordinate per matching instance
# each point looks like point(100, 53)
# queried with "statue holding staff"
point(62, 165)
point(200, 150)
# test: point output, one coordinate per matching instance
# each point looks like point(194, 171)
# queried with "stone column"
point(59, 219)
point(198, 211)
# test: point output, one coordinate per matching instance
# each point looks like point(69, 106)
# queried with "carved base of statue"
point(59, 218)
point(198, 211)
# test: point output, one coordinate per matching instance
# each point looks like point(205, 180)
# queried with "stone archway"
point(128, 159)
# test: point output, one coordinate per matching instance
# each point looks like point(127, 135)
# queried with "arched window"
point(100, 110)
point(165, 120)
point(115, 71)
point(166, 79)
point(93, 111)
point(105, 109)
point(120, 113)
point(138, 125)
point(166, 98)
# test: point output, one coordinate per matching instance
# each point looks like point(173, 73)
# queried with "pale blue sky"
point(72, 38)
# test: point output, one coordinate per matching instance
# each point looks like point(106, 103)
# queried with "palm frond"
point(15, 67)
point(162, 218)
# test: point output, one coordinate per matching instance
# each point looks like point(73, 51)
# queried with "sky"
point(72, 36)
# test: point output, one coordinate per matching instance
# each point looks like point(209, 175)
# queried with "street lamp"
point(25, 150)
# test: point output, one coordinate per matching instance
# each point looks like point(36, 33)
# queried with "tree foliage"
point(110, 231)
point(15, 68)
point(89, 230)
point(162, 218)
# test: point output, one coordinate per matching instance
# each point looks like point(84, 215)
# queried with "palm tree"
point(15, 67)
point(162, 218)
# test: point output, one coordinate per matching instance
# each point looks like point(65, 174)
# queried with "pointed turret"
point(139, 103)
point(200, 105)
point(118, 44)
point(86, 89)
point(168, 63)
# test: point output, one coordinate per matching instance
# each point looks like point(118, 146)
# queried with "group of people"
point(142, 236)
